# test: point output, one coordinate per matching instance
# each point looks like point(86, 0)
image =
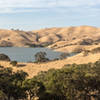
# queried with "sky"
point(37, 14)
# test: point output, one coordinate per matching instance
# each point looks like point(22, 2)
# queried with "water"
point(27, 54)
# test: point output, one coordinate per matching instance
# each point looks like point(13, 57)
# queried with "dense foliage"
point(72, 82)
point(15, 86)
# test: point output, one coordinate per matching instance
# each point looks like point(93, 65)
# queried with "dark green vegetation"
point(72, 82)
point(64, 56)
point(14, 63)
point(86, 42)
point(4, 57)
point(41, 57)
point(34, 45)
point(15, 85)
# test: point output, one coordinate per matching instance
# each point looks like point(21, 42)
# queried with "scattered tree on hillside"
point(41, 57)
point(86, 52)
point(4, 57)
point(64, 55)
point(14, 63)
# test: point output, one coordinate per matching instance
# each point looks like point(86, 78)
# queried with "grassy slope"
point(33, 69)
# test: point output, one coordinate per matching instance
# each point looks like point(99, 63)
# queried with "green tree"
point(34, 88)
point(11, 83)
point(14, 63)
point(41, 57)
point(2, 95)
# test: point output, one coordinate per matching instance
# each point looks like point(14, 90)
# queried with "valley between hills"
point(67, 39)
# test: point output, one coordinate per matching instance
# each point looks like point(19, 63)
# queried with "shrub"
point(86, 52)
point(78, 50)
point(46, 44)
point(64, 55)
point(55, 59)
point(4, 57)
point(79, 82)
point(41, 57)
point(2, 95)
point(86, 42)
point(95, 50)
point(72, 82)
point(14, 63)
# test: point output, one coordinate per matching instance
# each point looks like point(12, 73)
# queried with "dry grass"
point(58, 36)
point(33, 69)
point(63, 39)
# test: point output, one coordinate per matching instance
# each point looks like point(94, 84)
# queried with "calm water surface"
point(27, 54)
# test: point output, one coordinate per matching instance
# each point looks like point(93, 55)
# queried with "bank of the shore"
point(33, 69)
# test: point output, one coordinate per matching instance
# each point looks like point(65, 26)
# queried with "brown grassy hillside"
point(52, 37)
point(16, 38)
point(33, 69)
point(60, 39)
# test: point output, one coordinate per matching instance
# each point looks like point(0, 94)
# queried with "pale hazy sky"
point(36, 14)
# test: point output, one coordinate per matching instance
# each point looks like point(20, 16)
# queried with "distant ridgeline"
point(53, 37)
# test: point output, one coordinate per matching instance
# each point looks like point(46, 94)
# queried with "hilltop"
point(60, 39)
point(55, 38)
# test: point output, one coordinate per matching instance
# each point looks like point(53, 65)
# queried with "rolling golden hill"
point(55, 38)
point(60, 39)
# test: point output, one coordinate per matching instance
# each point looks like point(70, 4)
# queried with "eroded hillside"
point(56, 38)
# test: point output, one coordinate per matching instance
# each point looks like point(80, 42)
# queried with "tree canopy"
point(72, 82)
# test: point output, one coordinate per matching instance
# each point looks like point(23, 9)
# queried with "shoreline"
point(33, 69)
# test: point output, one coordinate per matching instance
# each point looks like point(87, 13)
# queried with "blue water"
point(27, 54)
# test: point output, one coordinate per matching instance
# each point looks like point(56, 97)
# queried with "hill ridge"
point(48, 36)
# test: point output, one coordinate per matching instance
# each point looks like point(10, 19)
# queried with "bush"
point(41, 57)
point(95, 50)
point(78, 50)
point(86, 42)
point(86, 52)
point(2, 95)
point(14, 63)
point(80, 82)
point(4, 57)
point(72, 82)
point(64, 55)
point(55, 59)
